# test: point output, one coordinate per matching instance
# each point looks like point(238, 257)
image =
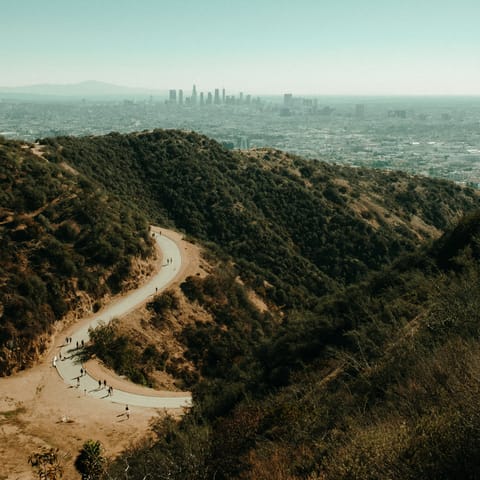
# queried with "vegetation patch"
point(123, 354)
point(64, 243)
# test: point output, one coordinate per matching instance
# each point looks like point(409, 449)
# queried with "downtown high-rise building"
point(194, 95)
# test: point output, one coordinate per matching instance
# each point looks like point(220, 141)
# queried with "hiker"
point(81, 372)
point(54, 362)
point(105, 383)
point(99, 384)
point(127, 411)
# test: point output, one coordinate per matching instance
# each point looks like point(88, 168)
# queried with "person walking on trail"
point(105, 384)
point(54, 361)
point(81, 372)
point(127, 412)
point(99, 384)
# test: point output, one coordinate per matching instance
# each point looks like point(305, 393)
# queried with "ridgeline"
point(304, 228)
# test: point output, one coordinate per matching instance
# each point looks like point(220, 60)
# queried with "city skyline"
point(263, 47)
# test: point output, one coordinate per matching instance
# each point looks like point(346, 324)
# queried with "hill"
point(296, 229)
point(365, 364)
point(378, 381)
point(64, 245)
point(362, 363)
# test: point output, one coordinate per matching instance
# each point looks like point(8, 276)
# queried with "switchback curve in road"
point(69, 367)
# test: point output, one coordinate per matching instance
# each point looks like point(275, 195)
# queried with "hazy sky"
point(256, 46)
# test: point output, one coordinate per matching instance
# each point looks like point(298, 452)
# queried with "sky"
point(323, 47)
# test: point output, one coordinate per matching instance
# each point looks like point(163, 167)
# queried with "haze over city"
point(264, 47)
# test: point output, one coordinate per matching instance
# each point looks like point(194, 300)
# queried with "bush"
point(90, 461)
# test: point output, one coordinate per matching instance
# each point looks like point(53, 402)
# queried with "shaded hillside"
point(64, 244)
point(296, 228)
point(380, 381)
point(385, 374)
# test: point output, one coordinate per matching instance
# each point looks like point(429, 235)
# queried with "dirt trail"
point(37, 409)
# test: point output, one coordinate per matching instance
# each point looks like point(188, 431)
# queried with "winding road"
point(68, 366)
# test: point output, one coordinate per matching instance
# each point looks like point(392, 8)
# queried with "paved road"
point(69, 367)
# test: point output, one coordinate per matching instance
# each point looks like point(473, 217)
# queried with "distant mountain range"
point(90, 88)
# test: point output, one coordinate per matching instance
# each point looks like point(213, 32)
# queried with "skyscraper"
point(194, 95)
point(172, 96)
point(180, 97)
point(216, 100)
point(223, 95)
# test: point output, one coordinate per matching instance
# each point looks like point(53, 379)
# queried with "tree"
point(90, 462)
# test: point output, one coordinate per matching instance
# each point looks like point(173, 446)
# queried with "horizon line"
point(162, 90)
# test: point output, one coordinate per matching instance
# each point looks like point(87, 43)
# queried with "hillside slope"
point(297, 229)
point(64, 244)
point(369, 371)
point(378, 381)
